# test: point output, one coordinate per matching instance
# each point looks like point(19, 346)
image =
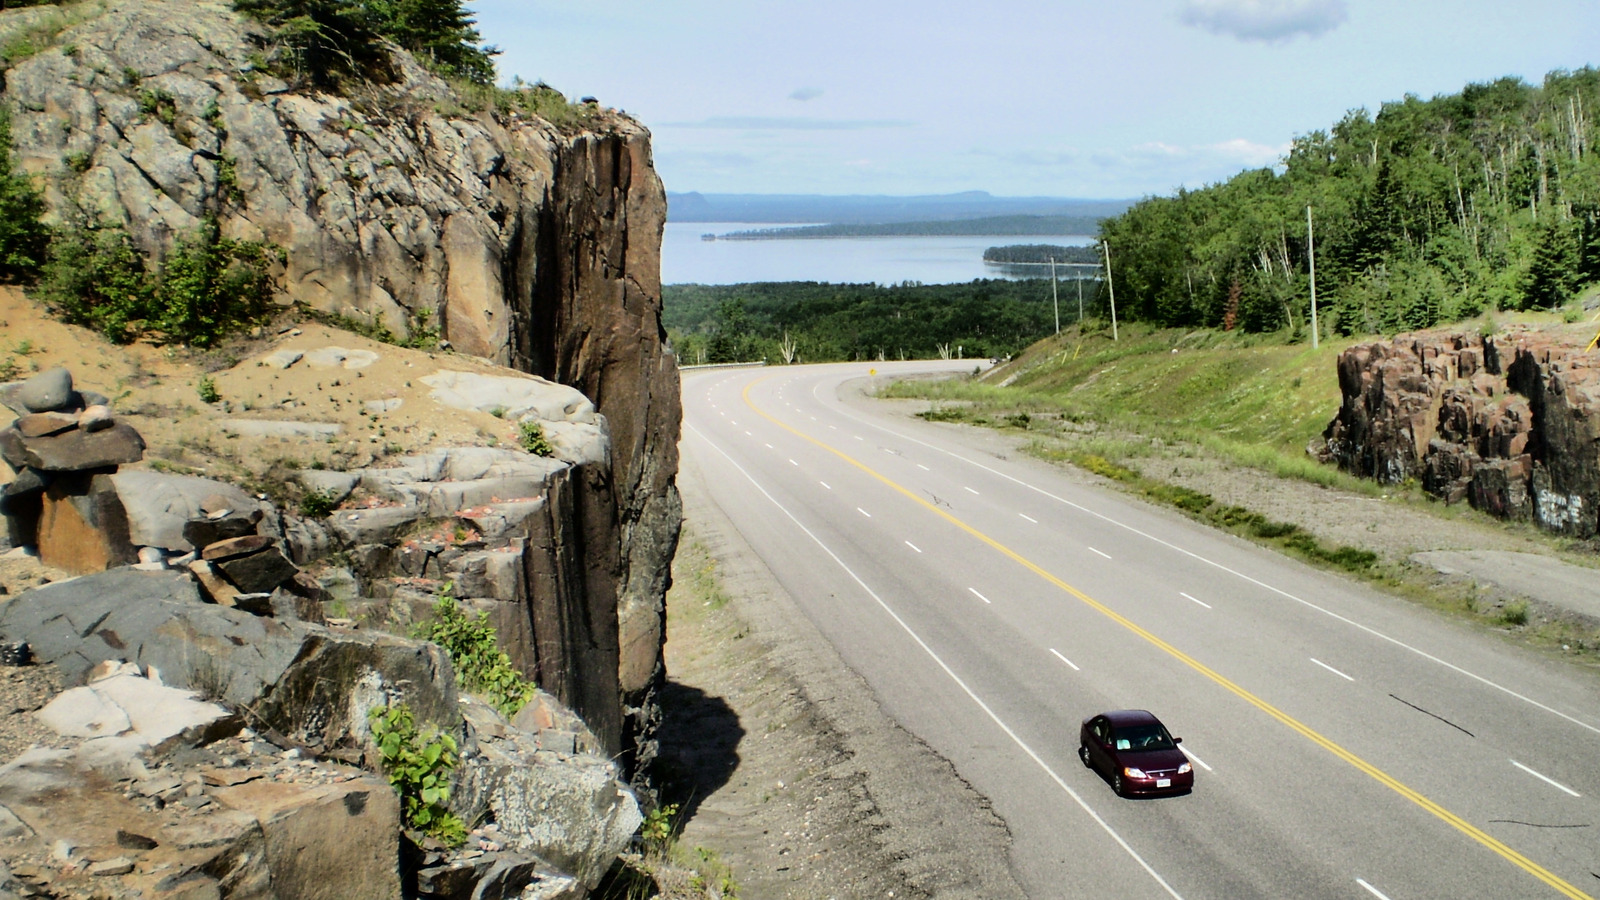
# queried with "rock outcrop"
point(523, 243)
point(1509, 422)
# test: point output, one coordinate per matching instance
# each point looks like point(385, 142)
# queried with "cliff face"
point(1510, 423)
point(534, 247)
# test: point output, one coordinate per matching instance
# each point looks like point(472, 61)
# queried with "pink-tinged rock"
point(95, 418)
point(46, 423)
point(234, 547)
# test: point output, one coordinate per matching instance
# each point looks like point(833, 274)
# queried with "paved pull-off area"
point(1346, 744)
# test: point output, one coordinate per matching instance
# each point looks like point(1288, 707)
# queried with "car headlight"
point(1185, 769)
point(1131, 772)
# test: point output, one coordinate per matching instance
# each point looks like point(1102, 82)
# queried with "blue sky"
point(1016, 97)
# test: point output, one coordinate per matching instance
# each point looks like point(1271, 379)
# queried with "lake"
point(686, 258)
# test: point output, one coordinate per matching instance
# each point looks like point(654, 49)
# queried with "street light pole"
point(1106, 246)
point(1055, 301)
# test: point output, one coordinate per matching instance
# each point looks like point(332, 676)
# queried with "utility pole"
point(1311, 257)
point(1106, 246)
point(1054, 301)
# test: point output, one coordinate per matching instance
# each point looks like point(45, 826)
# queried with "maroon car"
point(1133, 749)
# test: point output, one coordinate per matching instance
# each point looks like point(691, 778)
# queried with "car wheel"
point(1083, 754)
point(1117, 785)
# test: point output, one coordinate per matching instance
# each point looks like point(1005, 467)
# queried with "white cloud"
point(806, 93)
point(1269, 21)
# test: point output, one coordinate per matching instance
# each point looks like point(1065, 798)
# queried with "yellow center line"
point(1378, 775)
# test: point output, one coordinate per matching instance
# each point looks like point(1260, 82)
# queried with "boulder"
point(259, 572)
point(328, 841)
point(160, 506)
point(83, 526)
point(96, 418)
point(74, 450)
point(40, 424)
point(511, 396)
point(47, 391)
point(235, 547)
point(310, 683)
point(126, 704)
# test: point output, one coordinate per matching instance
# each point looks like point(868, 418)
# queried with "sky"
point(1109, 99)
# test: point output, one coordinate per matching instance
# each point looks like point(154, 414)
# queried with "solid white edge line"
point(1065, 660)
point(1330, 668)
point(1372, 890)
point(1546, 779)
point(1029, 518)
point(1101, 552)
point(993, 716)
point(1201, 602)
point(1234, 572)
point(1195, 759)
point(913, 546)
point(978, 595)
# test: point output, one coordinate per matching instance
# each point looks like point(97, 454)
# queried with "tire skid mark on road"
point(1490, 842)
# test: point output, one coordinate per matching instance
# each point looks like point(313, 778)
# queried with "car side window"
point(1099, 729)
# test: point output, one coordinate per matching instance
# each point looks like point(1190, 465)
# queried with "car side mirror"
point(1177, 740)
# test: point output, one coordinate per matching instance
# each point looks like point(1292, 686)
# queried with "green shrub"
point(331, 40)
point(1515, 613)
point(481, 666)
point(530, 434)
point(206, 387)
point(24, 239)
point(419, 767)
point(318, 504)
point(209, 286)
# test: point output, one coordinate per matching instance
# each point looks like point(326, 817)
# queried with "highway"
point(1346, 744)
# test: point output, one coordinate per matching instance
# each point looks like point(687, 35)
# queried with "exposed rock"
point(340, 358)
point(160, 506)
point(283, 429)
point(1510, 423)
point(283, 359)
point(83, 526)
point(40, 424)
point(332, 841)
point(511, 396)
point(95, 418)
point(235, 547)
point(74, 450)
point(126, 704)
point(217, 588)
point(49, 390)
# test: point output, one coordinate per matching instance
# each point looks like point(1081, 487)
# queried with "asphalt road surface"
point(1346, 745)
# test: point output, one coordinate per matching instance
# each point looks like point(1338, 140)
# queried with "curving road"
point(1346, 745)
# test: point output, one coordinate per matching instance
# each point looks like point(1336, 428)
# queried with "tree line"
point(1430, 211)
point(815, 322)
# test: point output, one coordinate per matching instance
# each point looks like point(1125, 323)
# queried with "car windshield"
point(1141, 737)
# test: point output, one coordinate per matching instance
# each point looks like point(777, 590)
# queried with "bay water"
point(687, 258)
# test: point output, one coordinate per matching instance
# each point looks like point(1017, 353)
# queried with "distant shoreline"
point(989, 226)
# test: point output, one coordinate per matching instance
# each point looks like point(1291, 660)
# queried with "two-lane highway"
point(1346, 745)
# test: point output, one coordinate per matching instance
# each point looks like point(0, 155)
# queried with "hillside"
point(1429, 211)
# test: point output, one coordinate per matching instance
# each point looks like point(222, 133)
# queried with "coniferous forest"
point(1430, 211)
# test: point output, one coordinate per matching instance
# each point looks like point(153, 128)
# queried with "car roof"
point(1131, 717)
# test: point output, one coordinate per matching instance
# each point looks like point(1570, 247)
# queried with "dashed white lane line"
point(1372, 890)
point(748, 434)
point(1065, 660)
point(1029, 518)
point(1201, 602)
point(770, 447)
point(969, 490)
point(863, 512)
point(1331, 669)
point(826, 485)
point(834, 427)
point(1101, 552)
point(1195, 759)
point(858, 437)
point(978, 595)
point(913, 546)
point(793, 463)
point(988, 710)
point(733, 421)
point(923, 467)
point(1546, 779)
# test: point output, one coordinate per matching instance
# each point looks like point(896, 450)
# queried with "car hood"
point(1152, 759)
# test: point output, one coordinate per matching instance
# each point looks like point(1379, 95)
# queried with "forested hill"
point(988, 226)
point(1433, 210)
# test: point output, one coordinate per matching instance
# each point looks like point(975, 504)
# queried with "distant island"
point(987, 226)
point(1041, 254)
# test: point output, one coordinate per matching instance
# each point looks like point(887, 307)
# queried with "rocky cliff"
point(531, 245)
point(1509, 422)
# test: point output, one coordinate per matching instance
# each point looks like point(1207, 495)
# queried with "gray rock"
point(512, 396)
point(28, 481)
point(12, 827)
point(258, 573)
point(282, 359)
point(280, 429)
point(160, 506)
point(340, 358)
point(95, 418)
point(312, 684)
point(204, 532)
point(380, 525)
point(232, 547)
point(40, 424)
point(74, 450)
point(337, 485)
point(47, 391)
